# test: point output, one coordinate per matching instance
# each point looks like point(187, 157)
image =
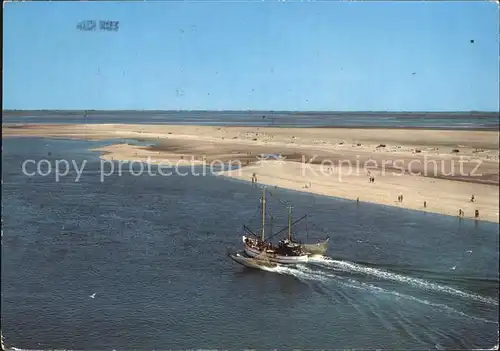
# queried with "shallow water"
point(428, 120)
point(153, 250)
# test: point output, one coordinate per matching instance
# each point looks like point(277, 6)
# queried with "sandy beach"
point(441, 168)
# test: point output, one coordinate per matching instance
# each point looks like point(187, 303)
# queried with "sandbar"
point(442, 168)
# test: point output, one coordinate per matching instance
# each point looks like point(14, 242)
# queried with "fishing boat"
point(259, 252)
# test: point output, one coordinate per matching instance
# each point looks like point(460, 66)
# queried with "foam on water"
point(302, 272)
point(420, 283)
point(305, 273)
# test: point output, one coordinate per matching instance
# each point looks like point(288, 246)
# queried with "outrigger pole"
point(263, 201)
point(290, 223)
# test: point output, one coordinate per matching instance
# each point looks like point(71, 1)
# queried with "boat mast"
point(290, 223)
point(263, 201)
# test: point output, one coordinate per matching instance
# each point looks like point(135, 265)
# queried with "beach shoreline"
point(250, 125)
point(442, 169)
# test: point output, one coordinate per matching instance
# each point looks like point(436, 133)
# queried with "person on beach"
point(460, 213)
point(476, 214)
point(254, 179)
point(425, 204)
point(401, 197)
point(472, 198)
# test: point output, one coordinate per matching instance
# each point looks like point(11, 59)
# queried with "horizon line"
point(250, 110)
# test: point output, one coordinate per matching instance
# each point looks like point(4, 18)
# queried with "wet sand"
point(443, 168)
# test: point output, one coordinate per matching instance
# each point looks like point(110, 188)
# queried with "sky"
point(253, 55)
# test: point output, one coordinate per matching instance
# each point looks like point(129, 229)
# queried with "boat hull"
point(252, 262)
point(253, 252)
